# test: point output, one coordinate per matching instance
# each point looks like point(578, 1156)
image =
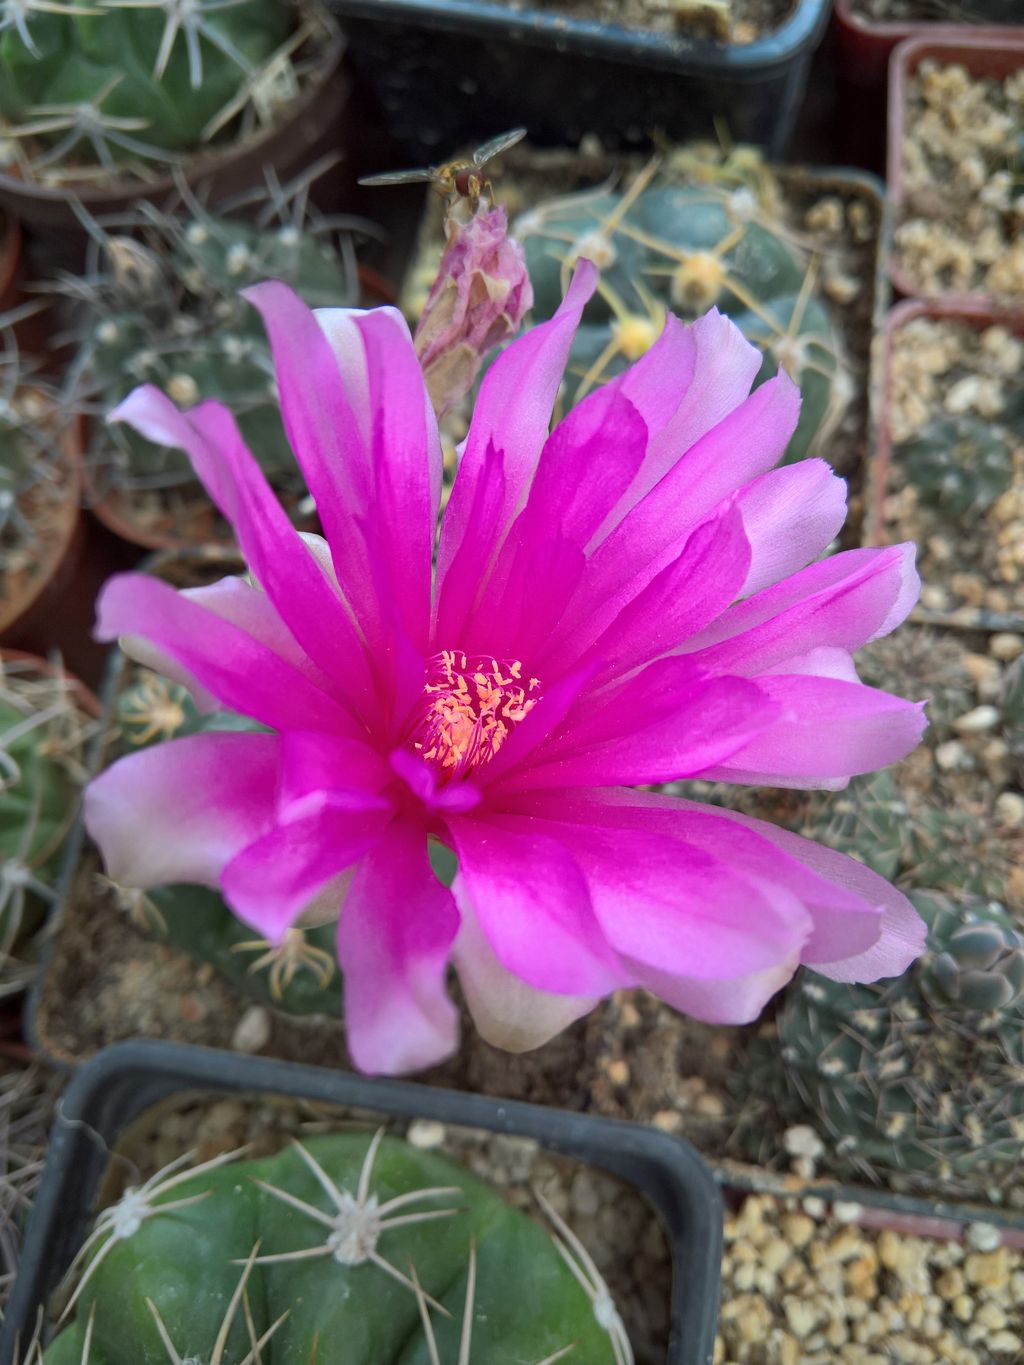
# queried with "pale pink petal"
point(506, 1011)
point(395, 936)
point(305, 599)
point(511, 416)
point(531, 901)
point(828, 729)
point(238, 669)
point(841, 602)
point(271, 881)
point(179, 811)
point(731, 1000)
point(663, 725)
point(790, 516)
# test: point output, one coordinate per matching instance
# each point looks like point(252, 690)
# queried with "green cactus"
point(42, 739)
point(921, 1074)
point(345, 1242)
point(105, 81)
point(165, 309)
point(684, 247)
point(958, 465)
point(300, 974)
point(868, 821)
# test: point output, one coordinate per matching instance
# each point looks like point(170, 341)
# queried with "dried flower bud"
point(479, 298)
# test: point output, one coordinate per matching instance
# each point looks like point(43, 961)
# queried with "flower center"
point(471, 704)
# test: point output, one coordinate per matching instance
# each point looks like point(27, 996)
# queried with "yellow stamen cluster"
point(471, 706)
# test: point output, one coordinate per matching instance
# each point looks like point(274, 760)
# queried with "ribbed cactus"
point(959, 465)
point(345, 1247)
point(299, 975)
point(868, 821)
point(921, 1074)
point(103, 81)
point(166, 310)
point(688, 248)
point(42, 737)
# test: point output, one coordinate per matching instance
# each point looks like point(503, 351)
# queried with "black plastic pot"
point(452, 72)
point(122, 1082)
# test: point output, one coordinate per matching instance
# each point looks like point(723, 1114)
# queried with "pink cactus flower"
point(480, 296)
point(631, 599)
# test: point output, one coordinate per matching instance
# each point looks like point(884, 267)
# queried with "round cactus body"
point(921, 1074)
point(341, 1245)
point(959, 465)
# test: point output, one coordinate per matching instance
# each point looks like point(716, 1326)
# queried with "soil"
point(834, 218)
point(804, 1284)
point(732, 21)
point(619, 1229)
point(971, 562)
point(960, 222)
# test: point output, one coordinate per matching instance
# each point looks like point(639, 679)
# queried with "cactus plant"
point(959, 465)
point(687, 247)
point(42, 738)
point(921, 1074)
point(161, 305)
point(345, 1241)
point(119, 80)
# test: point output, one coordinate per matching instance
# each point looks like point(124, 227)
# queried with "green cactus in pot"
point(958, 465)
point(920, 1075)
point(344, 1242)
point(663, 246)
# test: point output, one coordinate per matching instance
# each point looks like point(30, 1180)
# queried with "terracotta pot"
point(85, 699)
point(10, 260)
point(312, 127)
point(991, 52)
point(24, 608)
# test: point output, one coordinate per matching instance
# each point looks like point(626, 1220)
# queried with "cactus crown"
point(665, 242)
point(160, 305)
point(959, 465)
point(398, 1253)
point(95, 89)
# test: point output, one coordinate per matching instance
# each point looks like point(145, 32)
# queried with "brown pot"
point(30, 603)
point(985, 52)
point(311, 128)
point(85, 699)
point(10, 261)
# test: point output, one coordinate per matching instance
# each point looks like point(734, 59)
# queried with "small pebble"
point(1006, 646)
point(980, 719)
point(252, 1032)
point(802, 1140)
point(426, 1134)
point(1010, 809)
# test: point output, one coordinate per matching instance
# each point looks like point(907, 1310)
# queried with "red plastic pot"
point(985, 52)
point(978, 315)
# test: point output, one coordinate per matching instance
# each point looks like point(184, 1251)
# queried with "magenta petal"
point(304, 597)
point(511, 416)
point(239, 670)
point(828, 729)
point(532, 903)
point(422, 781)
point(395, 936)
point(270, 883)
point(506, 1011)
point(315, 763)
point(902, 932)
point(693, 590)
point(841, 602)
point(179, 811)
point(790, 516)
point(663, 725)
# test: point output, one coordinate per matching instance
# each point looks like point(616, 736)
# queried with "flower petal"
point(512, 416)
point(305, 599)
point(179, 811)
point(271, 881)
point(232, 665)
point(790, 516)
point(506, 1011)
point(531, 902)
point(827, 729)
point(395, 936)
point(313, 762)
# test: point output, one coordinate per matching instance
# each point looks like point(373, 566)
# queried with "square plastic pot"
point(123, 1081)
point(985, 52)
point(448, 73)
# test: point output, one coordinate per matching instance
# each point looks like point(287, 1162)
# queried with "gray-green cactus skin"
point(920, 1074)
point(958, 465)
point(116, 58)
point(340, 1304)
point(301, 975)
point(687, 249)
point(172, 317)
point(1011, 707)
